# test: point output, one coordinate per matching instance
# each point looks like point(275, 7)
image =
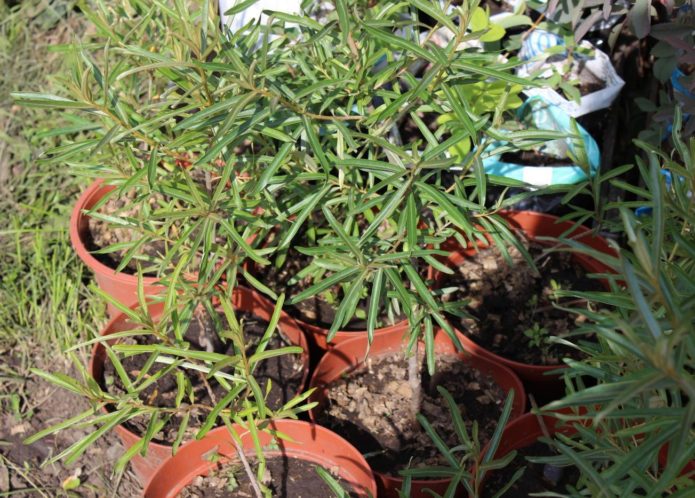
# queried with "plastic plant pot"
point(349, 355)
point(538, 378)
point(123, 287)
point(308, 442)
point(244, 300)
point(319, 335)
point(524, 431)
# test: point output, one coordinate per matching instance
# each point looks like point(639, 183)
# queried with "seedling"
point(537, 337)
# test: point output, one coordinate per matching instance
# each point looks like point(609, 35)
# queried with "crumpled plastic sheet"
point(540, 114)
point(533, 50)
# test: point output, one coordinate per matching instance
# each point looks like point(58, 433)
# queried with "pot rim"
point(90, 196)
point(315, 431)
point(111, 328)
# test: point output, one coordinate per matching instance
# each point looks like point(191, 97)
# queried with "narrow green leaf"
point(326, 283)
point(272, 353)
point(308, 208)
point(332, 483)
point(65, 424)
point(46, 100)
point(239, 240)
point(437, 440)
point(374, 303)
point(409, 47)
point(343, 20)
point(349, 242)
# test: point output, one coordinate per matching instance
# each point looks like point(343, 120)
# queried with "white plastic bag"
point(599, 65)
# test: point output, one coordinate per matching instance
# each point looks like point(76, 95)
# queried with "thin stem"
point(247, 468)
point(414, 381)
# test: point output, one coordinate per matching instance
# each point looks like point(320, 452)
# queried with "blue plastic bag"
point(541, 115)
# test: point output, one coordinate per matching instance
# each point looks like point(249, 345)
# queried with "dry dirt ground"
point(22, 469)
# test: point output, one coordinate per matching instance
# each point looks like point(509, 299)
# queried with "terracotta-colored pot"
point(688, 468)
point(319, 335)
point(527, 429)
point(349, 355)
point(122, 286)
point(532, 224)
point(546, 225)
point(243, 299)
point(311, 443)
point(523, 432)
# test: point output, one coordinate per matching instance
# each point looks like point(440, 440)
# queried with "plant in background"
point(641, 438)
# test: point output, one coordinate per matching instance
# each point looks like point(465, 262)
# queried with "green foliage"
point(537, 336)
point(231, 147)
point(641, 406)
point(236, 149)
point(467, 464)
point(225, 138)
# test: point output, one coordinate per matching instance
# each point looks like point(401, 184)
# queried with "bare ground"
point(22, 467)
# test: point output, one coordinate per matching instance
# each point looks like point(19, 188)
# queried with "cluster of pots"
point(164, 475)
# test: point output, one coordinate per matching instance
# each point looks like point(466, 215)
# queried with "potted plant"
point(640, 435)
point(365, 393)
point(515, 303)
point(250, 134)
point(184, 210)
point(138, 365)
point(292, 449)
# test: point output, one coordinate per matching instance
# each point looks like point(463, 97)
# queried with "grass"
point(45, 305)
point(43, 301)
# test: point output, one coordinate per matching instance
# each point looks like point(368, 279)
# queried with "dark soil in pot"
point(410, 132)
point(537, 477)
point(495, 6)
point(587, 87)
point(318, 310)
point(589, 82)
point(130, 204)
point(507, 301)
point(102, 234)
point(285, 373)
point(371, 408)
point(286, 477)
point(534, 158)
